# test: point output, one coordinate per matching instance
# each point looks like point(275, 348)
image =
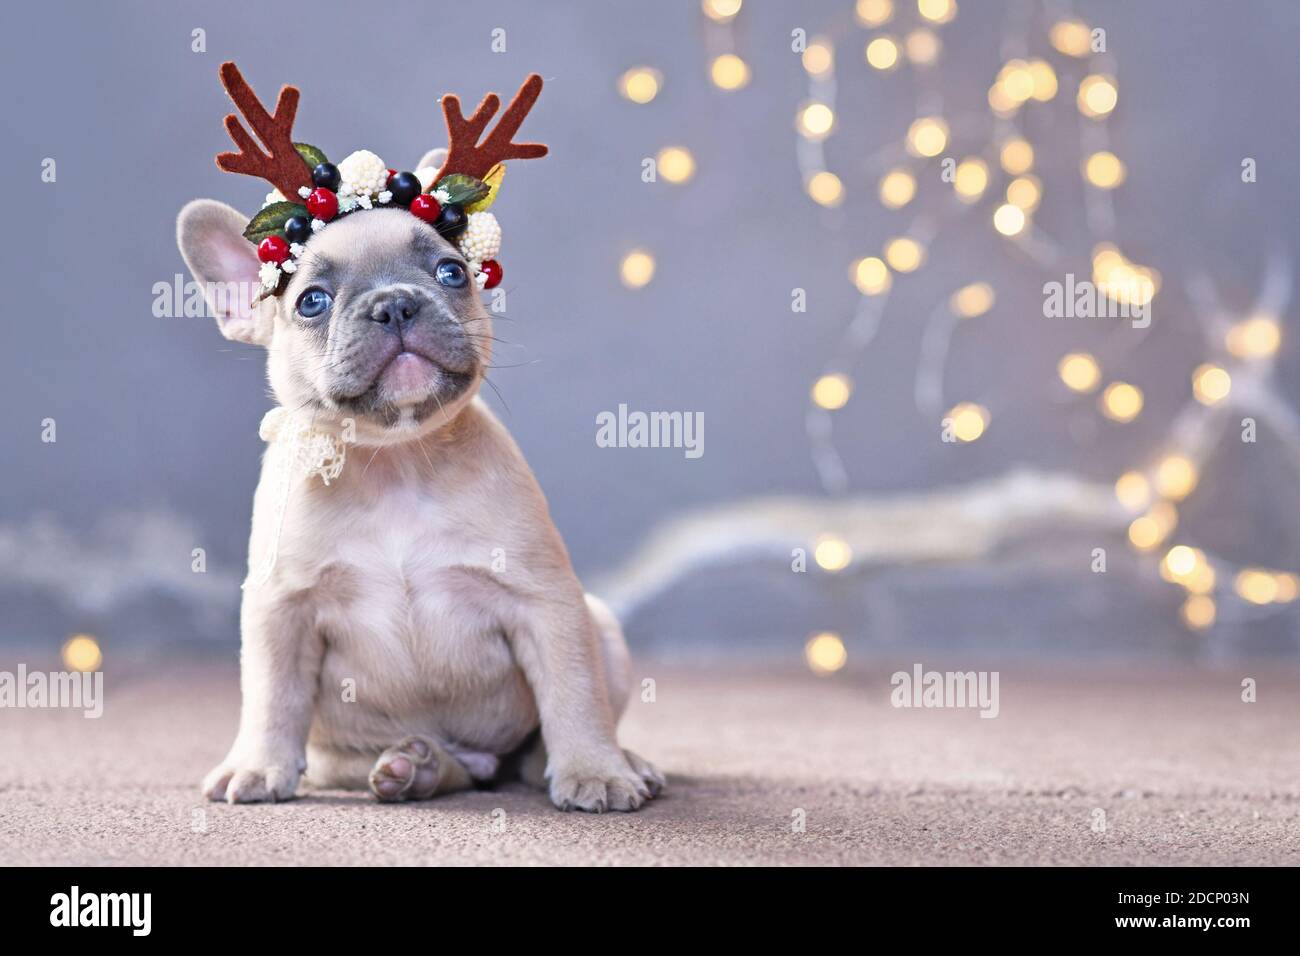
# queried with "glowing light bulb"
point(1015, 80)
point(937, 11)
point(1097, 95)
point(922, 46)
point(968, 421)
point(675, 164)
point(832, 391)
point(1175, 477)
point(1121, 402)
point(825, 188)
point(1147, 531)
point(1016, 156)
point(1180, 562)
point(972, 300)
point(874, 13)
point(640, 84)
point(1000, 103)
point(825, 653)
point(927, 136)
point(1253, 338)
point(1133, 490)
point(1211, 384)
point(832, 553)
point(1104, 170)
point(1009, 220)
point(904, 254)
point(882, 53)
point(1199, 612)
point(1025, 192)
point(970, 179)
point(637, 269)
point(871, 276)
point(729, 72)
point(1079, 371)
point(816, 121)
point(1256, 586)
point(897, 188)
point(1044, 80)
point(819, 58)
point(721, 10)
point(81, 653)
point(1071, 37)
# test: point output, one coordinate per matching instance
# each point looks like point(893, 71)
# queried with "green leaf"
point(462, 189)
point(270, 221)
point(493, 182)
point(311, 155)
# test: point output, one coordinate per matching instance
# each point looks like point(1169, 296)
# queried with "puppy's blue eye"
point(451, 274)
point(313, 302)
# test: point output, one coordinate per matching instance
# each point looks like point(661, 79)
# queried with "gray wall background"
point(157, 447)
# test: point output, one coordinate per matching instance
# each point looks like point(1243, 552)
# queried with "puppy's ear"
point(225, 264)
point(434, 158)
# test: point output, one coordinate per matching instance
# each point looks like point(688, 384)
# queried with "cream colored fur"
point(423, 593)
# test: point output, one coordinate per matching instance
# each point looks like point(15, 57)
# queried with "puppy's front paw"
point(251, 782)
point(611, 784)
point(647, 771)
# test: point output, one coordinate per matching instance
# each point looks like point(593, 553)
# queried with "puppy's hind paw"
point(408, 770)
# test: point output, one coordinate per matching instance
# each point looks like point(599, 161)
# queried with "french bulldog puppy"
point(421, 619)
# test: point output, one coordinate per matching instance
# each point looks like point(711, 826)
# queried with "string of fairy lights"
point(997, 178)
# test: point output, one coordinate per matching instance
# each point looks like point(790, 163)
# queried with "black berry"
point(326, 176)
point(404, 187)
point(451, 221)
point(297, 228)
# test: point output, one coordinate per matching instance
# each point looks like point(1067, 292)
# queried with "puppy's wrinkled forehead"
point(370, 250)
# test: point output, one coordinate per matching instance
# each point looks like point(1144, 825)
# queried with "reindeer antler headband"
point(453, 199)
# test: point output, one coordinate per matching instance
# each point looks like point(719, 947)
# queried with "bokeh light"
point(640, 84)
point(81, 653)
point(832, 391)
point(825, 188)
point(1121, 402)
point(968, 421)
point(729, 72)
point(637, 268)
point(825, 653)
point(675, 164)
point(871, 276)
point(1079, 371)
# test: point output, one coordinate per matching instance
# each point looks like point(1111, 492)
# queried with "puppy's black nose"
point(394, 310)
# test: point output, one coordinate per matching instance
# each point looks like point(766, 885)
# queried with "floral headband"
point(453, 199)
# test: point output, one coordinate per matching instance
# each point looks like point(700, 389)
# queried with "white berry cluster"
point(363, 174)
point(481, 239)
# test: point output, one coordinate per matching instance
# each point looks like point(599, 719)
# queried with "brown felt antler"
point(466, 155)
point(280, 165)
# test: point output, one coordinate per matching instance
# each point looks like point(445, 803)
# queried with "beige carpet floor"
point(1180, 770)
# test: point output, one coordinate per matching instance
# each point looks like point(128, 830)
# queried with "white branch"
point(943, 526)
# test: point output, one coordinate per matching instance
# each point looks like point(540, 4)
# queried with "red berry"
point(273, 249)
point(323, 204)
point(392, 173)
point(425, 207)
point(494, 274)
